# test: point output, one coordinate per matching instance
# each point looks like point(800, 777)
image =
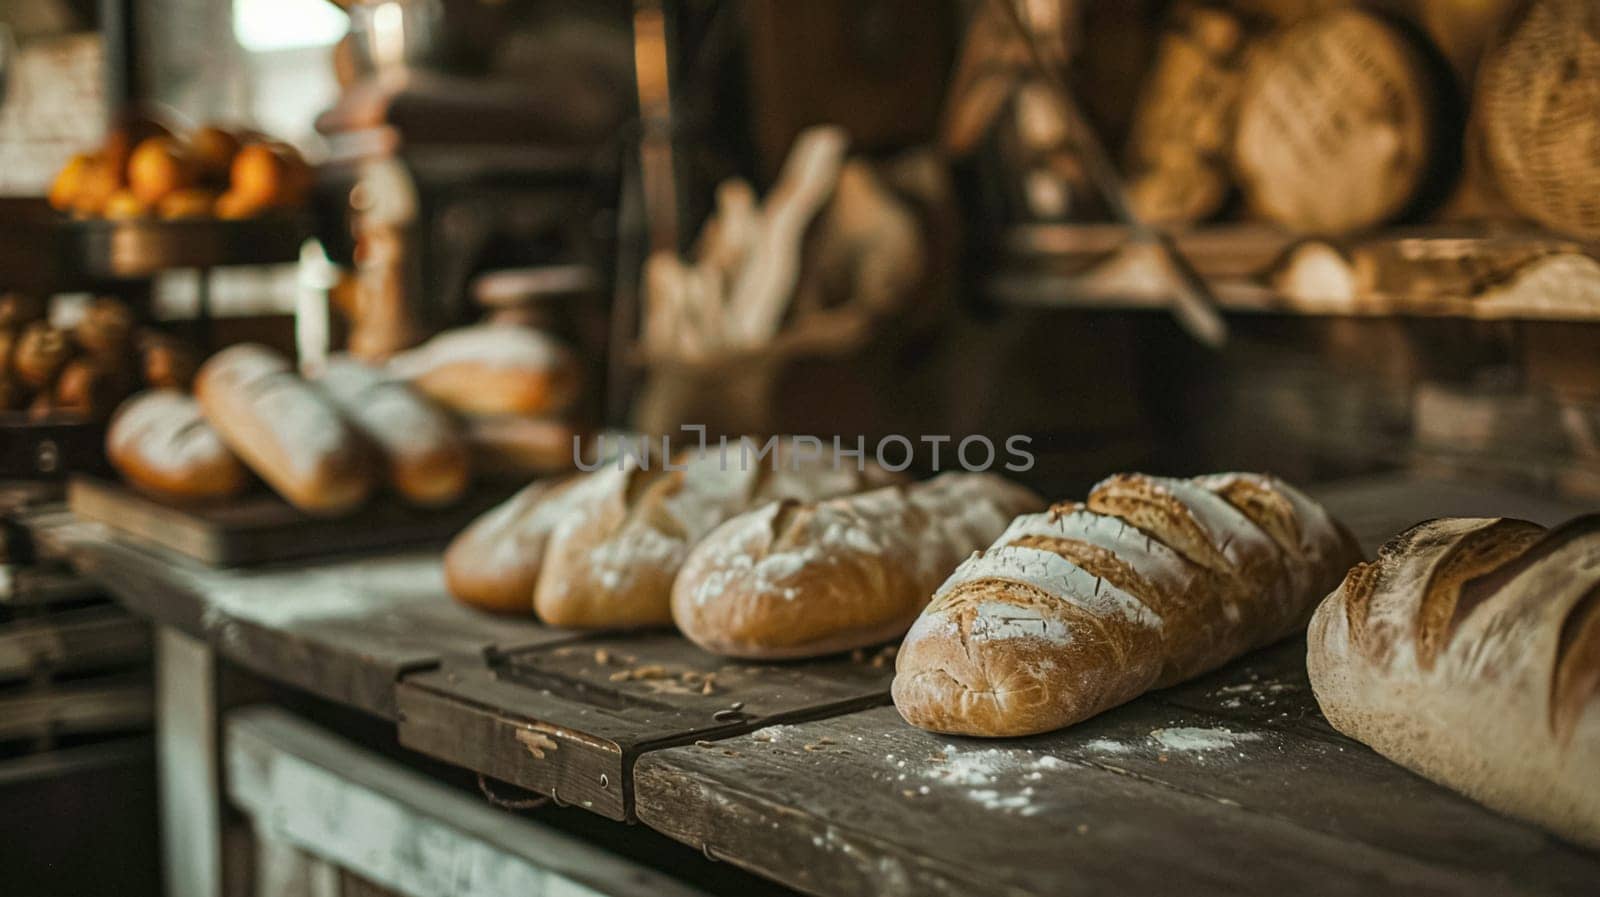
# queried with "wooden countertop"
point(802, 772)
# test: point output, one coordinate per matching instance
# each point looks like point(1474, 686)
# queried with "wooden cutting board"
point(260, 528)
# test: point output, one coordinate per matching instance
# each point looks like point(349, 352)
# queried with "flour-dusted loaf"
point(492, 369)
point(285, 429)
point(612, 561)
point(802, 579)
point(1086, 606)
point(160, 443)
point(428, 460)
point(1469, 652)
point(494, 563)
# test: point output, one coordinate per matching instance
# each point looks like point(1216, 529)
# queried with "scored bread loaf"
point(493, 564)
point(1469, 652)
point(612, 560)
point(802, 579)
point(492, 369)
point(1082, 608)
point(285, 429)
point(160, 443)
point(429, 462)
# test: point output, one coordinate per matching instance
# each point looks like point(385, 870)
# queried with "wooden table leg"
point(188, 765)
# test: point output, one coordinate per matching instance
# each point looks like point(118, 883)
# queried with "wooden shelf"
point(1460, 272)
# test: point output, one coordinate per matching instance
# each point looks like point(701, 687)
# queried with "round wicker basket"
point(1539, 110)
point(1334, 128)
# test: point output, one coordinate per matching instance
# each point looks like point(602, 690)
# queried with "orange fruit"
point(69, 181)
point(157, 167)
point(99, 182)
point(234, 205)
point(190, 202)
point(213, 149)
point(123, 205)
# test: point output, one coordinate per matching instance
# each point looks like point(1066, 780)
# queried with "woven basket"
point(1334, 124)
point(1539, 108)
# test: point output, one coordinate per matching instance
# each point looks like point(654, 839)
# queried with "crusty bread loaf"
point(285, 429)
point(1151, 582)
point(160, 443)
point(802, 579)
point(494, 563)
point(612, 561)
point(428, 459)
point(492, 369)
point(1469, 652)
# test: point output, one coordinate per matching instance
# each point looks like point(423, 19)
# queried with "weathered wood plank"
point(569, 721)
point(72, 641)
point(1146, 799)
point(262, 528)
point(317, 793)
point(344, 628)
point(112, 704)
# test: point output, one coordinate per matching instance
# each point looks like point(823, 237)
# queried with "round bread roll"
point(1539, 108)
point(40, 353)
point(1334, 127)
point(160, 443)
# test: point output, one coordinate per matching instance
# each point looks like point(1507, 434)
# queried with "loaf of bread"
point(612, 560)
point(492, 369)
point(428, 459)
point(1469, 653)
point(285, 429)
point(494, 563)
point(803, 579)
point(1148, 583)
point(161, 444)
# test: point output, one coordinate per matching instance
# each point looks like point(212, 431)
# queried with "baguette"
point(494, 563)
point(795, 579)
point(428, 459)
point(1469, 653)
point(161, 444)
point(612, 561)
point(1149, 583)
point(492, 369)
point(284, 429)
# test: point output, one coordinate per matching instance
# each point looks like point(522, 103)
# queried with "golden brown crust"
point(1576, 683)
point(1472, 556)
point(1150, 582)
point(1474, 660)
point(799, 579)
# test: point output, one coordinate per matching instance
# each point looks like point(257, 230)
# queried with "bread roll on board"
point(492, 369)
point(612, 561)
point(1469, 653)
point(1082, 608)
point(795, 579)
point(160, 443)
point(285, 429)
point(428, 458)
point(494, 563)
